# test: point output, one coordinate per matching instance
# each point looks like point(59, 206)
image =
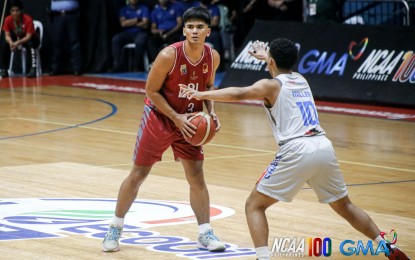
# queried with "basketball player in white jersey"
point(305, 154)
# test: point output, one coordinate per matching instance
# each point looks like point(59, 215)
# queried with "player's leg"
point(199, 195)
point(362, 222)
point(129, 189)
point(153, 135)
point(359, 219)
point(255, 208)
point(281, 181)
point(126, 196)
point(330, 187)
point(199, 201)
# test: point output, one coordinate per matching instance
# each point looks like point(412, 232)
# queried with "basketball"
point(205, 129)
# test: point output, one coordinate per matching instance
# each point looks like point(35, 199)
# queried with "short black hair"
point(197, 13)
point(284, 52)
point(16, 3)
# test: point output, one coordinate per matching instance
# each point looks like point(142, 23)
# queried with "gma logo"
point(349, 248)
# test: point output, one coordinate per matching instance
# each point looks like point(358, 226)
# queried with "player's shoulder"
point(165, 59)
point(271, 83)
point(215, 53)
point(168, 52)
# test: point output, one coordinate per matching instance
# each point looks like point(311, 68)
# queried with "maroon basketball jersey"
point(195, 75)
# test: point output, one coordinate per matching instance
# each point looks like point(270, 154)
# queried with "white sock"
point(378, 239)
point(117, 221)
point(204, 227)
point(262, 253)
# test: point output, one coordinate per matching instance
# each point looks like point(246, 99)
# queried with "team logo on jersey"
point(183, 69)
point(41, 218)
point(194, 77)
point(205, 68)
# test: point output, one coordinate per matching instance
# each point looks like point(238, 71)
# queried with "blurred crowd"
point(140, 28)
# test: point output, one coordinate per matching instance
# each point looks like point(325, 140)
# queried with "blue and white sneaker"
point(111, 241)
point(208, 241)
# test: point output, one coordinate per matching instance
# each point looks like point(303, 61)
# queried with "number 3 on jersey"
point(308, 112)
point(190, 106)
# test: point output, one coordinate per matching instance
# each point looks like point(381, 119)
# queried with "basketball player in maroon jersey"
point(165, 120)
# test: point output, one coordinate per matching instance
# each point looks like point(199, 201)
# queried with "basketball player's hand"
point(190, 93)
point(182, 123)
point(259, 50)
point(216, 120)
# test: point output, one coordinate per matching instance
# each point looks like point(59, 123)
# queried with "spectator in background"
point(166, 26)
point(285, 10)
point(186, 4)
point(246, 17)
point(65, 27)
point(228, 14)
point(214, 37)
point(134, 20)
point(19, 32)
point(325, 11)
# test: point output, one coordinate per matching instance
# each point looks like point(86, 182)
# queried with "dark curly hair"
point(284, 52)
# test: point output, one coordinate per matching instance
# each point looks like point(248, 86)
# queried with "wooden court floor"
point(64, 152)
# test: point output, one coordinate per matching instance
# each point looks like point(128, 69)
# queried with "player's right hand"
point(183, 124)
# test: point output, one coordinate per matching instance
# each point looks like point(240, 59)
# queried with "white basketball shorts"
point(310, 160)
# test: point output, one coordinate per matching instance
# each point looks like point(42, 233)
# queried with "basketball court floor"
point(66, 145)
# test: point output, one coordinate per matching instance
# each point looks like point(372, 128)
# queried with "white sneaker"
point(208, 241)
point(111, 241)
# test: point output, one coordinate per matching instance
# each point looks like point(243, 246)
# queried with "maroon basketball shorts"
point(157, 133)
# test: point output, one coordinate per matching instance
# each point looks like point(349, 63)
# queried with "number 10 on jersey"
point(308, 112)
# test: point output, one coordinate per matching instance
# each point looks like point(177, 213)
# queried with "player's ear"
point(209, 31)
point(271, 61)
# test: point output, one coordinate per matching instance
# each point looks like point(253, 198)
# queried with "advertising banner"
point(353, 63)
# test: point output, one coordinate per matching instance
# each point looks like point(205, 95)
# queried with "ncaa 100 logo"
point(296, 247)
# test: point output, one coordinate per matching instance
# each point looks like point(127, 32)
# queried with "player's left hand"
point(259, 50)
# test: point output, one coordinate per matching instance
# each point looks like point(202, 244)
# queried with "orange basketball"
point(205, 129)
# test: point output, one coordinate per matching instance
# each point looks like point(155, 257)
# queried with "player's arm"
point(162, 66)
point(265, 89)
point(210, 106)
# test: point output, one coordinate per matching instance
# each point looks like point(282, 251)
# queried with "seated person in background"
point(19, 32)
point(134, 20)
point(166, 26)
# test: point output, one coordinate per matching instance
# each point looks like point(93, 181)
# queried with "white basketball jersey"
point(294, 113)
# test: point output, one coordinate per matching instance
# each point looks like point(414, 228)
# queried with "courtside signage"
point(359, 63)
point(49, 218)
